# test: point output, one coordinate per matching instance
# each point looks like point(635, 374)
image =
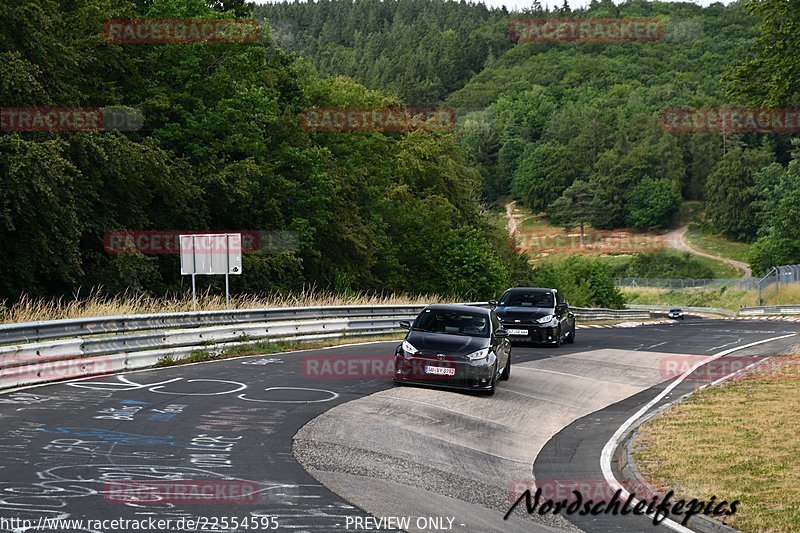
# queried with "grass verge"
point(718, 268)
point(722, 298)
point(737, 441)
point(707, 241)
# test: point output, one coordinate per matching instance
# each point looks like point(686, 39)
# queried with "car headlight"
point(408, 348)
point(480, 354)
point(545, 319)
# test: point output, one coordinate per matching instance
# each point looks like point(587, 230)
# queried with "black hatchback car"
point(536, 315)
point(454, 346)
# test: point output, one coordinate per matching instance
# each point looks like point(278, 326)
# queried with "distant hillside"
point(417, 50)
point(574, 130)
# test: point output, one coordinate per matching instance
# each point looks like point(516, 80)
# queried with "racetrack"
point(371, 448)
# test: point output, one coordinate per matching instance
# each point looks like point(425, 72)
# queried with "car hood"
point(523, 313)
point(436, 343)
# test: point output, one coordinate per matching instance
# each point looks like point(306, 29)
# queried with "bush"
point(663, 264)
point(584, 281)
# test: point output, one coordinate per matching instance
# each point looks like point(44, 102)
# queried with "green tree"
point(574, 207)
point(780, 245)
point(730, 193)
point(542, 175)
point(653, 204)
point(772, 77)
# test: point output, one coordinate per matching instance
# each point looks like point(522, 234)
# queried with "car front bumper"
point(538, 333)
point(472, 375)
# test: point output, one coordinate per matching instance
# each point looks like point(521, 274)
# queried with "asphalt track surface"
point(322, 453)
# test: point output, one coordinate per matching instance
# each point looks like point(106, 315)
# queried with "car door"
point(561, 312)
point(501, 346)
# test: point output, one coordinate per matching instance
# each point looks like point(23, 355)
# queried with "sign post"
point(211, 254)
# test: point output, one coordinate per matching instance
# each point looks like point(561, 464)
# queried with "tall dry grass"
point(728, 299)
point(96, 303)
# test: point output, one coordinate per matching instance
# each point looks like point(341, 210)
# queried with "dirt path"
point(512, 222)
point(676, 240)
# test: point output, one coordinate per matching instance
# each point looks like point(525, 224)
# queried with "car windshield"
point(453, 323)
point(527, 299)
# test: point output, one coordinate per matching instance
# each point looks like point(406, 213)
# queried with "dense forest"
point(573, 129)
point(221, 148)
point(570, 129)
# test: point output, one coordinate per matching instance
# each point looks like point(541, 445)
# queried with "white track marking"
point(608, 449)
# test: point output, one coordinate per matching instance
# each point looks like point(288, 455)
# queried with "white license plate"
point(517, 331)
point(439, 370)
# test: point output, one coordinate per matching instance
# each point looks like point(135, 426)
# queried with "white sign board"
point(208, 254)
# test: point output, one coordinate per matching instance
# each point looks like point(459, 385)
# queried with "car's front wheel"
point(507, 370)
point(493, 383)
point(571, 338)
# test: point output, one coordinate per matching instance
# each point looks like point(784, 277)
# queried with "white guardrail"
point(38, 352)
point(770, 310)
point(665, 308)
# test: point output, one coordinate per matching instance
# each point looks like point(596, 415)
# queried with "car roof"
point(458, 308)
point(530, 289)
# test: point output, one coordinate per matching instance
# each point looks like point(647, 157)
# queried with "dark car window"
point(528, 299)
point(453, 322)
point(495, 321)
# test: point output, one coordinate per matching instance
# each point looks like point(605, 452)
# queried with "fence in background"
point(789, 274)
point(770, 310)
point(744, 284)
point(778, 275)
point(665, 308)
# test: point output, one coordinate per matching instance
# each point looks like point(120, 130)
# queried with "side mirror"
point(492, 303)
point(501, 333)
point(405, 324)
point(562, 305)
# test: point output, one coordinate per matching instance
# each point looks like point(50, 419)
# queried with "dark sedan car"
point(536, 315)
point(454, 346)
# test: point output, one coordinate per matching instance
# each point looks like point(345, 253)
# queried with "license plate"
point(517, 331)
point(440, 370)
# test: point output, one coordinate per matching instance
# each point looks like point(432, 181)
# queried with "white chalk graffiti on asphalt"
point(266, 361)
point(237, 418)
point(333, 396)
point(23, 398)
point(125, 384)
point(117, 437)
